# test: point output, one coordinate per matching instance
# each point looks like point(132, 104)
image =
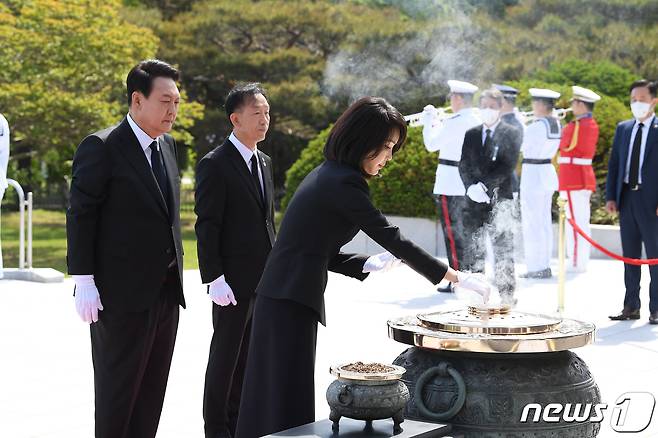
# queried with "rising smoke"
point(414, 67)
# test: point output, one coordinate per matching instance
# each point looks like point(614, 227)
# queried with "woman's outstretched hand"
point(474, 282)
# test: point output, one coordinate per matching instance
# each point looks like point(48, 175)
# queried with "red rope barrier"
point(637, 262)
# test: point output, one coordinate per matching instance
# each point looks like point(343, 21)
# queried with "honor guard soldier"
point(538, 183)
point(577, 180)
point(447, 138)
point(4, 160)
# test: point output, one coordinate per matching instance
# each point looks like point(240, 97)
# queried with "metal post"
point(21, 232)
point(29, 230)
point(561, 255)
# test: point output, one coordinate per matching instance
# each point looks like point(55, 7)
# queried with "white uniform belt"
point(574, 160)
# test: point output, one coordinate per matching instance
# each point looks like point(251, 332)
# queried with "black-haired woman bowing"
point(330, 206)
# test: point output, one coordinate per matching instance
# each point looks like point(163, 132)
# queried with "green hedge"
point(405, 188)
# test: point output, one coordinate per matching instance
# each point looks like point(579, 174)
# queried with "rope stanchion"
point(575, 236)
point(627, 260)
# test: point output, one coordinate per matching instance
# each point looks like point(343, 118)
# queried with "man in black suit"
point(125, 253)
point(489, 157)
point(632, 190)
point(235, 233)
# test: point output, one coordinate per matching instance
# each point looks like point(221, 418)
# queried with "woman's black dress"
point(328, 209)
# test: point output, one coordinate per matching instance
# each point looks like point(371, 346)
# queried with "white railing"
point(22, 204)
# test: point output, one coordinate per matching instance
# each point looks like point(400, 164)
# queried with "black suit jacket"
point(118, 226)
point(477, 165)
point(619, 157)
point(235, 230)
point(329, 207)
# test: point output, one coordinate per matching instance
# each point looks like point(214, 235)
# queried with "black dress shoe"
point(627, 314)
point(544, 273)
point(653, 318)
point(446, 289)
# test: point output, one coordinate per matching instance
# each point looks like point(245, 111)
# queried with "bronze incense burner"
point(367, 396)
point(477, 368)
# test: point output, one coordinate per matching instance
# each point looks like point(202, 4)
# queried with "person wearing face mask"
point(632, 191)
point(447, 138)
point(4, 160)
point(576, 178)
point(489, 156)
point(538, 183)
point(234, 203)
point(328, 209)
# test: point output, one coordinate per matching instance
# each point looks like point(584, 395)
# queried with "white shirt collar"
point(246, 152)
point(647, 123)
point(491, 128)
point(144, 139)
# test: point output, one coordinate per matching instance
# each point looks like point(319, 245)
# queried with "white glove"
point(428, 116)
point(381, 262)
point(87, 299)
point(478, 193)
point(221, 293)
point(475, 283)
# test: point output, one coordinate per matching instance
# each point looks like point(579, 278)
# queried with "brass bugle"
point(559, 113)
point(414, 119)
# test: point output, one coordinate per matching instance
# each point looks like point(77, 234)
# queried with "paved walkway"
point(46, 387)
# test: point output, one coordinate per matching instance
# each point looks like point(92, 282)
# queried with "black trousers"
point(638, 224)
point(131, 353)
point(451, 210)
point(226, 365)
point(278, 391)
point(495, 220)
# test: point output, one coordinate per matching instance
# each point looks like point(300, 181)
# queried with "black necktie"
point(254, 176)
point(488, 144)
point(634, 172)
point(159, 172)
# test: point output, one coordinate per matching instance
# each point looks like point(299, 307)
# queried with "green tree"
point(535, 34)
point(282, 44)
point(63, 77)
point(602, 77)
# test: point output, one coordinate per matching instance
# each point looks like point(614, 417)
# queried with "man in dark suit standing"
point(632, 190)
point(489, 157)
point(125, 253)
point(235, 233)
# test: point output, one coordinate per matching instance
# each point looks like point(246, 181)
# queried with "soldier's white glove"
point(87, 298)
point(428, 116)
point(478, 193)
point(474, 282)
point(381, 262)
point(221, 293)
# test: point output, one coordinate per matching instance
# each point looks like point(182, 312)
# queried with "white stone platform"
point(46, 387)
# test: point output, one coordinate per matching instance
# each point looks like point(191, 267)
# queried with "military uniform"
point(447, 138)
point(577, 180)
point(4, 160)
point(538, 183)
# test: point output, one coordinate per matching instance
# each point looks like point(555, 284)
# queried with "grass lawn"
point(49, 239)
